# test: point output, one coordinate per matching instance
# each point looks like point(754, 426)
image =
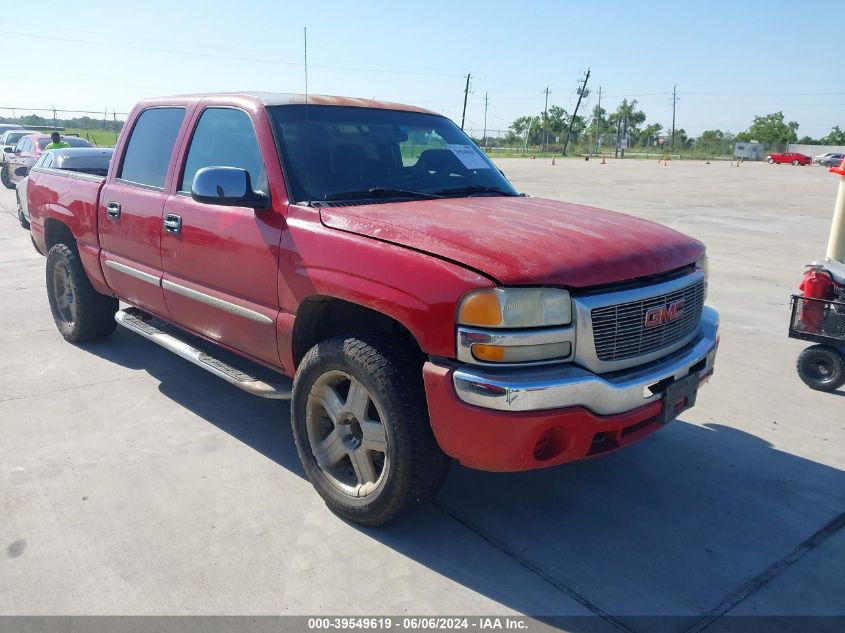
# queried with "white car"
point(830, 159)
point(9, 139)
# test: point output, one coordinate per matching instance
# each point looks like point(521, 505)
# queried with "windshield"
point(360, 153)
point(10, 138)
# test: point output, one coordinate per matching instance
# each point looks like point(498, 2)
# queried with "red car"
point(789, 157)
point(419, 306)
point(26, 152)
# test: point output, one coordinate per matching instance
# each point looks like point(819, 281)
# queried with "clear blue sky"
point(730, 60)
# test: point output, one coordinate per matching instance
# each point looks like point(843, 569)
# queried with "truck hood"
point(519, 240)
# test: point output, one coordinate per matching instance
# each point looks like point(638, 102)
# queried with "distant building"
point(750, 150)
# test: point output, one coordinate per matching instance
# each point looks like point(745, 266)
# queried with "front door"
point(130, 213)
point(220, 264)
point(24, 156)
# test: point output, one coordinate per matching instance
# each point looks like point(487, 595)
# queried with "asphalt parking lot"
point(132, 482)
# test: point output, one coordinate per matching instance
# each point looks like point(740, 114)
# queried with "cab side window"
point(150, 148)
point(46, 160)
point(224, 137)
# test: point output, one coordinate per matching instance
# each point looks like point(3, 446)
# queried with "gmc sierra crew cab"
point(368, 262)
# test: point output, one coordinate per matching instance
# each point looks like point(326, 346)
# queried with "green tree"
point(650, 133)
point(531, 125)
point(836, 137)
point(771, 128)
point(627, 118)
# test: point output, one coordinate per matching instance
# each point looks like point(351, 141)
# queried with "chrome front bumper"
point(572, 386)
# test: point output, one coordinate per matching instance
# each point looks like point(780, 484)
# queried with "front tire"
point(822, 368)
point(361, 426)
point(80, 312)
point(6, 178)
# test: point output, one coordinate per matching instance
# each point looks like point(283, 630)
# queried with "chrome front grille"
point(620, 332)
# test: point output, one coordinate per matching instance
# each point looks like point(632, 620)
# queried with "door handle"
point(113, 209)
point(172, 223)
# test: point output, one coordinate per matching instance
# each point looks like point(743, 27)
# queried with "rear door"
point(130, 212)
point(221, 265)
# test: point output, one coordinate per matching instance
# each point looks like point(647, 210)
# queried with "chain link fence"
point(101, 128)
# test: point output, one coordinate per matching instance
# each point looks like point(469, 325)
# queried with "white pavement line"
point(538, 571)
point(769, 574)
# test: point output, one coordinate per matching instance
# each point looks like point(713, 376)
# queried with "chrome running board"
point(132, 319)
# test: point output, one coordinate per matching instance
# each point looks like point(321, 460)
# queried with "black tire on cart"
point(80, 312)
point(795, 163)
point(361, 426)
point(822, 367)
point(770, 160)
point(6, 178)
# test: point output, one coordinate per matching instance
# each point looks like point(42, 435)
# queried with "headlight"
point(516, 308)
point(703, 264)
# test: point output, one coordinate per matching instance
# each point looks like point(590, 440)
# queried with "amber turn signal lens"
point(489, 353)
point(482, 308)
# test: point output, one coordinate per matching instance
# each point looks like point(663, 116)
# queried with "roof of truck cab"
point(285, 98)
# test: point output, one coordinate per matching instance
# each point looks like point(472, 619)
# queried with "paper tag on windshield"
point(469, 156)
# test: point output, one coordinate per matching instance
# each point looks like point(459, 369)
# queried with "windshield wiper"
point(379, 192)
point(475, 190)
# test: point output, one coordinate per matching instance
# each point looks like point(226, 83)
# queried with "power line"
point(169, 51)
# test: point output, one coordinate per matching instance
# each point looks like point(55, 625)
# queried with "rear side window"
point(224, 137)
point(47, 159)
point(150, 147)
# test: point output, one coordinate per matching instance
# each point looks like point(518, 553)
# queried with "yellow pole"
point(836, 243)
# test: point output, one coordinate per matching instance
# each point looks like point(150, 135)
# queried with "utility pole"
point(466, 94)
point(545, 119)
point(618, 130)
point(581, 93)
point(486, 102)
point(674, 103)
point(598, 126)
point(624, 126)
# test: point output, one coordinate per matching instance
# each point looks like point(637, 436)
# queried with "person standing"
point(56, 142)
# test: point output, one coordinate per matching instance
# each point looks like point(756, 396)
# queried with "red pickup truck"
point(423, 308)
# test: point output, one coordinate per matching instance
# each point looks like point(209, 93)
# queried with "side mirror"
point(16, 152)
point(22, 171)
point(228, 186)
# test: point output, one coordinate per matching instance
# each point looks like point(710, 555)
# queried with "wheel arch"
point(321, 317)
point(57, 232)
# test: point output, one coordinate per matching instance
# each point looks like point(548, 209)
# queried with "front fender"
point(418, 290)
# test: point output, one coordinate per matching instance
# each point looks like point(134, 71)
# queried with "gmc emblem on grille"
point(664, 314)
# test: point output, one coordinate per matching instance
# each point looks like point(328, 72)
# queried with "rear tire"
point(822, 368)
point(6, 178)
point(21, 218)
point(795, 163)
point(359, 404)
point(80, 312)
